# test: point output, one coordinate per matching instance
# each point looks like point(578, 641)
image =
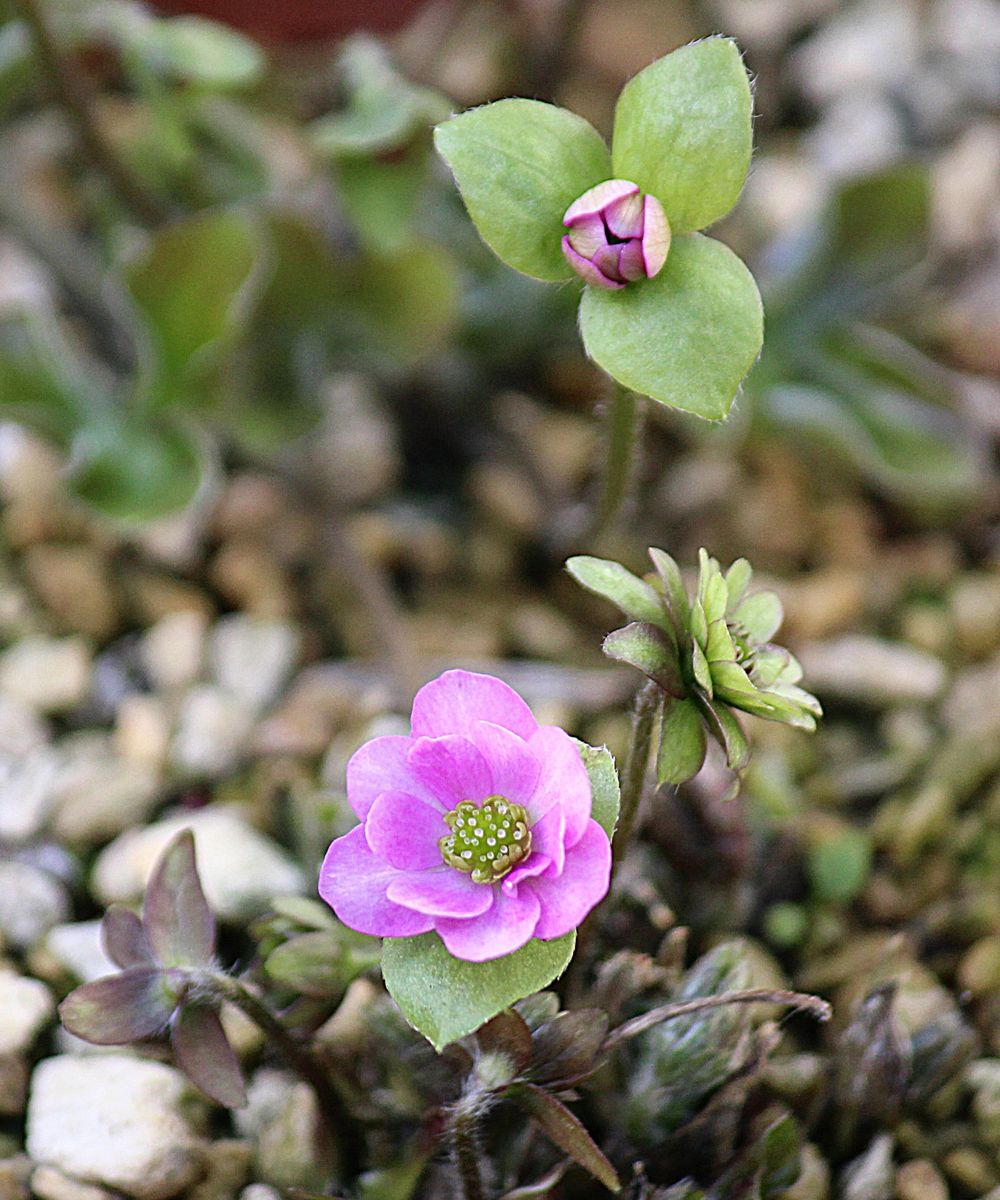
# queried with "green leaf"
point(322, 963)
point(673, 587)
point(682, 131)
point(761, 615)
point(137, 470)
point(445, 998)
point(627, 592)
point(649, 650)
point(519, 165)
point(728, 732)
point(682, 742)
point(206, 53)
point(17, 63)
point(686, 338)
point(839, 866)
point(604, 790)
point(192, 286)
point(566, 1130)
point(381, 198)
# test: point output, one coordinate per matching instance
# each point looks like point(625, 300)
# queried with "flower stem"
point(624, 424)
point(645, 709)
point(464, 1133)
point(74, 94)
point(332, 1109)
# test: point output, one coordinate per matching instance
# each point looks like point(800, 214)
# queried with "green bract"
point(682, 132)
point(710, 654)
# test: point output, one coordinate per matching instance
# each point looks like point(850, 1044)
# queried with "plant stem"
point(332, 1109)
point(73, 91)
point(623, 424)
point(465, 1146)
point(645, 708)
point(813, 1005)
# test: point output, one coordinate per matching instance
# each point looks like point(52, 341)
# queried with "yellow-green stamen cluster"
point(486, 840)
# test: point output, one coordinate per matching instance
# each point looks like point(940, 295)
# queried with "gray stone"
point(49, 1183)
point(872, 671)
point(48, 674)
point(31, 902)
point(253, 658)
point(79, 949)
point(27, 785)
point(22, 730)
point(98, 793)
point(173, 650)
point(240, 868)
point(281, 1114)
point(115, 1120)
point(213, 728)
point(26, 1007)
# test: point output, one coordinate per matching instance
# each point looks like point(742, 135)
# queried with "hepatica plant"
point(668, 312)
point(484, 841)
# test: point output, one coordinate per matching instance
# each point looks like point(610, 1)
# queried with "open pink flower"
point(477, 825)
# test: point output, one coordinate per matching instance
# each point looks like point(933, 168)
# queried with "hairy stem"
point(624, 424)
point(645, 709)
point(73, 92)
point(301, 1059)
point(464, 1135)
point(801, 1001)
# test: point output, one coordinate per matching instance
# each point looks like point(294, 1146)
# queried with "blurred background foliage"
point(280, 438)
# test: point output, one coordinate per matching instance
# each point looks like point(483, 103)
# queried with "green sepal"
point(687, 337)
point(683, 132)
point(519, 164)
point(673, 587)
point(728, 732)
point(682, 742)
point(650, 650)
point(605, 792)
point(634, 597)
point(701, 670)
point(760, 615)
point(445, 998)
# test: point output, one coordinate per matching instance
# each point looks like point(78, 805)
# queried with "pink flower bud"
point(616, 235)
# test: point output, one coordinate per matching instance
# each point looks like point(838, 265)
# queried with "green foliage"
point(682, 132)
point(604, 789)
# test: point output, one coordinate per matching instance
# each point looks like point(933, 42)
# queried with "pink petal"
point(405, 831)
point(563, 780)
point(584, 882)
point(451, 768)
point(353, 882)
point(624, 217)
point(655, 237)
point(450, 704)
point(504, 928)
point(548, 838)
point(598, 198)
point(606, 260)
point(631, 264)
point(588, 235)
point(586, 269)
point(535, 864)
point(444, 893)
point(513, 767)
point(380, 766)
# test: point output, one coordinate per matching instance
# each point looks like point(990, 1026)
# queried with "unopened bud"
point(616, 235)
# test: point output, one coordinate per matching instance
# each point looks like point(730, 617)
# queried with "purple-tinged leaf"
point(649, 650)
point(121, 1008)
point(179, 924)
point(125, 939)
point(508, 1034)
point(567, 1132)
point(206, 1057)
point(568, 1047)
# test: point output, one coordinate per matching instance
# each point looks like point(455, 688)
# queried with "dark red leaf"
point(179, 924)
point(206, 1057)
point(120, 1009)
point(507, 1034)
point(567, 1132)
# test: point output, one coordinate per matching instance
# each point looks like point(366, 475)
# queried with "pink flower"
point(616, 235)
point(477, 825)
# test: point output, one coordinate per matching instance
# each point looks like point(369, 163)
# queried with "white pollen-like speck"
point(479, 832)
point(491, 841)
point(466, 853)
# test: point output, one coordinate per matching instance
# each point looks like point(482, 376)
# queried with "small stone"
point(227, 1167)
point(98, 794)
point(31, 902)
point(253, 658)
point(115, 1120)
point(49, 1183)
point(282, 1115)
point(155, 597)
point(142, 731)
point(970, 1168)
point(872, 671)
point(260, 1191)
point(50, 675)
point(15, 1172)
point(506, 498)
point(920, 1179)
point(356, 429)
point(173, 650)
point(213, 728)
point(72, 582)
point(27, 785)
point(241, 870)
point(13, 1094)
point(78, 949)
point(22, 730)
point(250, 578)
point(26, 1007)
point(975, 605)
point(869, 1176)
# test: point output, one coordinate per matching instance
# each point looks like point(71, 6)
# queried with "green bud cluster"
point(710, 653)
point(486, 840)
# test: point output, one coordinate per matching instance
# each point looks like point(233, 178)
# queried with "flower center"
point(746, 650)
point(486, 840)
